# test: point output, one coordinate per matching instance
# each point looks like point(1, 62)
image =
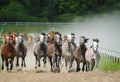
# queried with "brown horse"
point(79, 53)
point(55, 51)
point(8, 52)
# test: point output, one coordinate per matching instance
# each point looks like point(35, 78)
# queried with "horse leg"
point(50, 59)
point(78, 66)
point(58, 62)
point(83, 66)
point(35, 59)
point(17, 62)
point(24, 62)
point(71, 63)
point(92, 64)
point(38, 61)
point(96, 65)
point(6, 62)
point(11, 62)
point(44, 59)
point(66, 63)
point(2, 62)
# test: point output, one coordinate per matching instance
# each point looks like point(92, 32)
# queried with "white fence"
point(110, 54)
point(39, 23)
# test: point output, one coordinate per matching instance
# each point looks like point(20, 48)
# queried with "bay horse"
point(40, 49)
point(79, 53)
point(8, 52)
point(55, 51)
point(68, 51)
point(21, 50)
point(92, 56)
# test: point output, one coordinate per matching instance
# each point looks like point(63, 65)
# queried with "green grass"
point(25, 29)
point(108, 65)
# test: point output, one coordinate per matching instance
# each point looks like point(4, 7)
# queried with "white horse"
point(92, 56)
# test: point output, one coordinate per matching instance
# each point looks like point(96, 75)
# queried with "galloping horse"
point(40, 49)
point(21, 50)
point(8, 52)
point(68, 51)
point(92, 55)
point(79, 53)
point(55, 51)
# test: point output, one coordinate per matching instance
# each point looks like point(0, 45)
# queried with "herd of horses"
point(54, 46)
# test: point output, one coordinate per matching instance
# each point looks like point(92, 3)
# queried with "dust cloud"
point(105, 28)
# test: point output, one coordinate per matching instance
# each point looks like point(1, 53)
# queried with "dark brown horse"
point(55, 51)
point(21, 50)
point(8, 52)
point(79, 53)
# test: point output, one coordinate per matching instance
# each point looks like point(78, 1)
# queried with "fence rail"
point(110, 54)
point(38, 23)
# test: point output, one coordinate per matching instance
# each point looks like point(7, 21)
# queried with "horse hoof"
point(35, 67)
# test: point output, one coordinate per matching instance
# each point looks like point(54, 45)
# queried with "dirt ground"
point(30, 74)
point(33, 76)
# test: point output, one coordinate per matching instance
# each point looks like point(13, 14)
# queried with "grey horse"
point(68, 51)
point(92, 56)
point(40, 49)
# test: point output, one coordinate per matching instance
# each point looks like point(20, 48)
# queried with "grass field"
point(108, 65)
point(104, 64)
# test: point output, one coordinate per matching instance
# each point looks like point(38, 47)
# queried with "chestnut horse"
point(8, 52)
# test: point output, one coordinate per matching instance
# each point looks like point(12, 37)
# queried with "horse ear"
point(97, 40)
point(93, 39)
point(86, 40)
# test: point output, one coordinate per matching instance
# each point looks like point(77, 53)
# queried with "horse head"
point(57, 38)
point(19, 39)
point(95, 45)
point(83, 40)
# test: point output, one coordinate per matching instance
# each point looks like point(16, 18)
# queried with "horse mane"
point(57, 47)
point(42, 47)
point(83, 49)
point(21, 47)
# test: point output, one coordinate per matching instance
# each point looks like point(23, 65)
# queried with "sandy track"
point(33, 76)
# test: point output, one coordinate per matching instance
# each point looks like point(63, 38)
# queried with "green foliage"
point(15, 12)
point(52, 10)
point(65, 17)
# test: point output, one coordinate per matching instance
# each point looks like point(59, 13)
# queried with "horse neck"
point(21, 46)
point(83, 48)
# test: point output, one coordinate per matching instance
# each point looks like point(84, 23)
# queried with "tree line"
point(53, 10)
